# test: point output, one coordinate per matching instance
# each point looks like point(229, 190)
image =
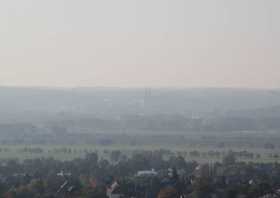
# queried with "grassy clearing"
point(70, 152)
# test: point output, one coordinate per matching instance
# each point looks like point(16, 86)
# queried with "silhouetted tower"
point(147, 95)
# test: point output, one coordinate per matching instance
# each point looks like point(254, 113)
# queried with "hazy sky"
point(146, 43)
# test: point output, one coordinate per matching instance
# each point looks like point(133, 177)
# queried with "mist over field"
point(40, 105)
point(37, 114)
point(114, 102)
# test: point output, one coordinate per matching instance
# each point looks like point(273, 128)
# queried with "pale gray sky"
point(146, 43)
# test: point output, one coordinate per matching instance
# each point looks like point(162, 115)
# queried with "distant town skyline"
point(140, 43)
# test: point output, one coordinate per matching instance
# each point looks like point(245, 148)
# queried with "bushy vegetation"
point(170, 177)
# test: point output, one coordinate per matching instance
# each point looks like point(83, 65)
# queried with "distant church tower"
point(147, 95)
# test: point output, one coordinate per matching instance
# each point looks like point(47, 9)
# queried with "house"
point(114, 191)
point(146, 173)
point(63, 174)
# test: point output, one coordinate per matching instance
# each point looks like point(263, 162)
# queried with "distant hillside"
point(267, 112)
point(22, 103)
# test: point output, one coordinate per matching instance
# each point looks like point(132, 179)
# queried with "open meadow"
point(201, 154)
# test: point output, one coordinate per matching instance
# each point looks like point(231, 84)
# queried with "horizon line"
point(137, 87)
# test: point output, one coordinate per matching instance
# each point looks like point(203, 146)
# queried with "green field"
point(70, 152)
